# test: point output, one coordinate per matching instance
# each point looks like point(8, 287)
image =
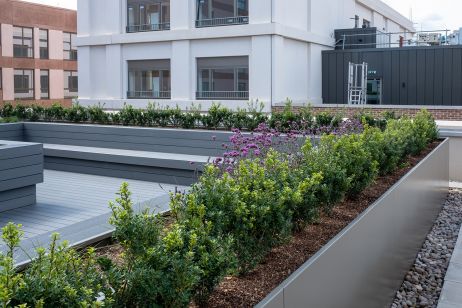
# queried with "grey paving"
point(76, 206)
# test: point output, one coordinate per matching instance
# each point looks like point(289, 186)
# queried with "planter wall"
point(21, 168)
point(364, 265)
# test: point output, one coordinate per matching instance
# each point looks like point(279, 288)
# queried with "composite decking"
point(76, 206)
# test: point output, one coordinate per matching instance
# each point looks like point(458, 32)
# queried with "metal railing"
point(227, 95)
point(44, 93)
point(226, 21)
point(393, 39)
point(148, 27)
point(149, 94)
point(23, 51)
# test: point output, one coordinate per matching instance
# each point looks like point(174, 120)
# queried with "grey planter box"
point(21, 168)
point(365, 264)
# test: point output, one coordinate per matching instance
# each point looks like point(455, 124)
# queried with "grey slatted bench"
point(173, 156)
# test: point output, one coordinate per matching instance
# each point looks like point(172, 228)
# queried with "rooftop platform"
point(76, 206)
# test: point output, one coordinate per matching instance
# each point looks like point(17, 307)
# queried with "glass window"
point(222, 12)
point(145, 15)
point(44, 84)
point(71, 84)
point(23, 42)
point(149, 79)
point(23, 84)
point(43, 44)
point(69, 48)
point(223, 78)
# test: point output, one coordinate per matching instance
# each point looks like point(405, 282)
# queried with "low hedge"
point(226, 224)
point(217, 117)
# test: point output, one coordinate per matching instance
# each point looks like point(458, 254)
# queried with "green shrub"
point(59, 277)
point(76, 114)
point(96, 114)
point(158, 268)
point(7, 111)
point(55, 113)
point(251, 206)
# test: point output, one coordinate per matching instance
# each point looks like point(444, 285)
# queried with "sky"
point(427, 14)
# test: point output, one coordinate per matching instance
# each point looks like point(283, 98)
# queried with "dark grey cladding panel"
point(194, 142)
point(17, 198)
point(410, 76)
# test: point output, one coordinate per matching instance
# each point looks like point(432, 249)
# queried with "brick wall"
point(44, 102)
point(450, 114)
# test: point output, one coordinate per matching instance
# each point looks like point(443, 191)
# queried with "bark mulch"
point(249, 290)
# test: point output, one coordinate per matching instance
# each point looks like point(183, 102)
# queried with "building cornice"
point(206, 33)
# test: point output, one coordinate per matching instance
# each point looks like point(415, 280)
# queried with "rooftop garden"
point(269, 187)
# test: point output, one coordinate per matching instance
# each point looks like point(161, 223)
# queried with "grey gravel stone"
point(423, 283)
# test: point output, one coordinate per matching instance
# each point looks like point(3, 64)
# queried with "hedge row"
point(218, 117)
point(226, 224)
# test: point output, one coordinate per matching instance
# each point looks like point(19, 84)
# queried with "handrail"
point(148, 27)
point(228, 95)
point(149, 94)
point(224, 21)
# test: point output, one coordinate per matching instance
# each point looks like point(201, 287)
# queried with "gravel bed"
point(423, 283)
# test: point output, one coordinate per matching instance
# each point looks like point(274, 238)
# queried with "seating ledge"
point(128, 157)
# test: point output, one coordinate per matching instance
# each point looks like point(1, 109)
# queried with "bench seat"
point(172, 168)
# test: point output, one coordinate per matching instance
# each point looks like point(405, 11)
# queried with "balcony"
point(226, 21)
point(215, 13)
point(222, 95)
point(148, 95)
point(148, 27)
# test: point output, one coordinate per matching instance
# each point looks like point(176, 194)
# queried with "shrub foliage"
point(243, 205)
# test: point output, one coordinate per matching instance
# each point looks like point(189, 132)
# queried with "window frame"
point(73, 56)
point(16, 91)
point(22, 38)
point(41, 84)
point(47, 41)
point(68, 88)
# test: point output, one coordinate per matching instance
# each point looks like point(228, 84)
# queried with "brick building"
point(38, 58)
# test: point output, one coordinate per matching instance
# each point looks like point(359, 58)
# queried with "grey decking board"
point(38, 223)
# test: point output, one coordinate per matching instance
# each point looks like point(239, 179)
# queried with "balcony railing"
point(23, 51)
point(44, 93)
point(225, 95)
point(148, 27)
point(226, 21)
point(148, 94)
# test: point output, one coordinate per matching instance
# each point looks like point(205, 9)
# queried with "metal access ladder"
point(357, 84)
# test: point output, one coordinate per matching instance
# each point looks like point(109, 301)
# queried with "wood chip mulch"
point(249, 290)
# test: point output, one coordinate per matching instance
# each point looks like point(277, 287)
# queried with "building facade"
point(38, 55)
point(179, 52)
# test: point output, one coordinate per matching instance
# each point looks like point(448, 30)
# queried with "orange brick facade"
point(449, 114)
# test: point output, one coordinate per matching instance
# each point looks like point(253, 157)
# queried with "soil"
point(249, 290)
point(282, 261)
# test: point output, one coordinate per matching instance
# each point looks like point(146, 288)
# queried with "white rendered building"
point(179, 52)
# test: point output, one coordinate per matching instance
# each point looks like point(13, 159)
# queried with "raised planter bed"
point(365, 263)
point(21, 168)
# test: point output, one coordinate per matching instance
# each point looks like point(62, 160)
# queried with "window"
point(44, 84)
point(366, 23)
point(23, 84)
point(149, 79)
point(222, 12)
point(223, 78)
point(43, 44)
point(70, 50)
point(71, 85)
point(23, 42)
point(151, 15)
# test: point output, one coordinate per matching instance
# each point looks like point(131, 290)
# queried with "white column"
point(114, 82)
point(182, 14)
point(260, 11)
point(260, 70)
point(182, 71)
point(83, 17)
point(84, 69)
point(37, 84)
point(278, 77)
